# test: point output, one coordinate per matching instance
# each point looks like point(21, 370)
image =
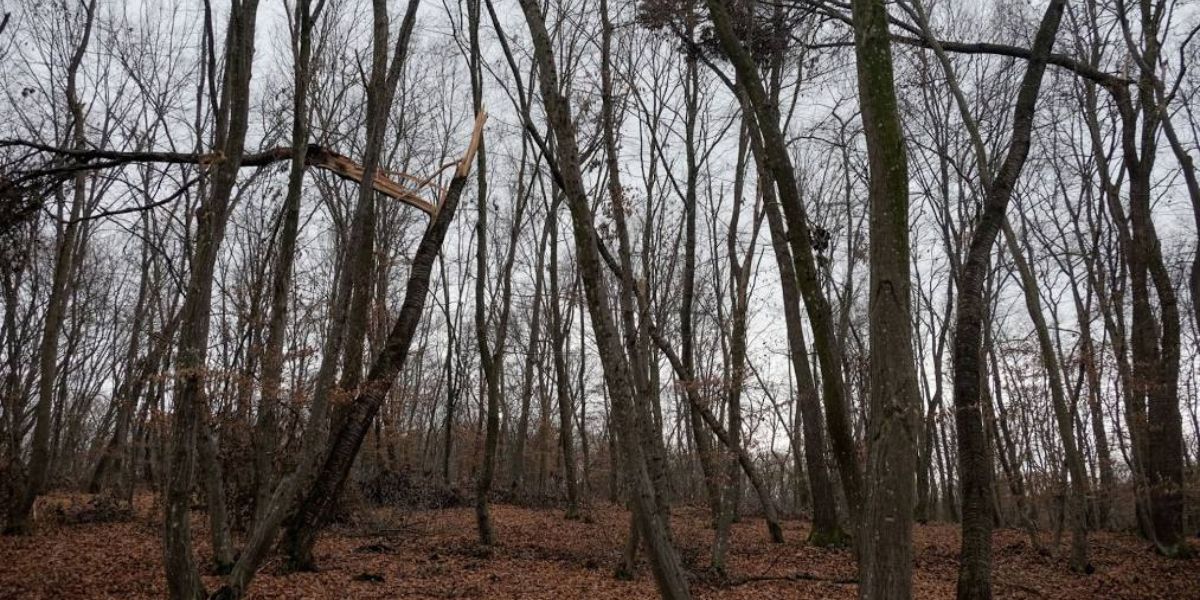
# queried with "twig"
point(798, 576)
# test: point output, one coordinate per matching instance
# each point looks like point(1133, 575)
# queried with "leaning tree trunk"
point(778, 162)
point(356, 422)
point(348, 327)
point(825, 528)
point(664, 559)
point(1062, 412)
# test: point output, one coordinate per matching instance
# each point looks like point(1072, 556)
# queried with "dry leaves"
point(434, 554)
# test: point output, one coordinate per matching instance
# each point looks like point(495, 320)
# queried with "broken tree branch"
point(317, 157)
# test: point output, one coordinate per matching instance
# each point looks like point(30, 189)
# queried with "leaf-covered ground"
point(433, 554)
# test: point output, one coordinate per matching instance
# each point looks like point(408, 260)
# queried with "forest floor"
point(434, 554)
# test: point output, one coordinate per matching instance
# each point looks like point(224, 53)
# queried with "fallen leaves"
point(434, 554)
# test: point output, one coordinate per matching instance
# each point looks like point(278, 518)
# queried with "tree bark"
point(304, 527)
point(778, 162)
point(885, 558)
point(975, 468)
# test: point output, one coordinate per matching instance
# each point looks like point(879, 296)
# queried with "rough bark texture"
point(975, 466)
point(893, 430)
point(1154, 341)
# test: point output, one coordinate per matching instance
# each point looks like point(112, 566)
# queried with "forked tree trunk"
point(975, 467)
point(348, 321)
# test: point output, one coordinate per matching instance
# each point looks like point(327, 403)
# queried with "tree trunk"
point(344, 444)
point(190, 404)
point(347, 330)
point(1062, 412)
point(885, 558)
point(668, 571)
point(778, 163)
point(33, 481)
point(566, 409)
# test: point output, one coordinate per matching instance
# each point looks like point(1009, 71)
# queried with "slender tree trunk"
point(266, 428)
point(345, 443)
point(778, 162)
point(489, 362)
point(825, 528)
point(566, 409)
point(665, 562)
point(1062, 412)
point(975, 465)
point(532, 350)
point(347, 334)
point(37, 473)
point(704, 445)
point(190, 404)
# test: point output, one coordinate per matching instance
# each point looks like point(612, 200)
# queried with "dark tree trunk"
point(975, 467)
point(346, 441)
